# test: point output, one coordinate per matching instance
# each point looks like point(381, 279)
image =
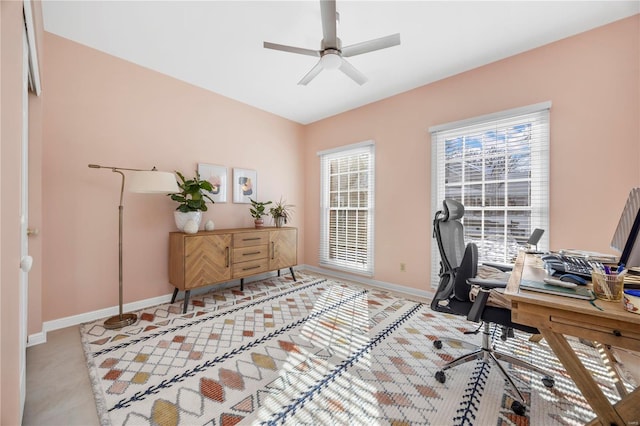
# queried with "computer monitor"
point(535, 236)
point(532, 242)
point(625, 239)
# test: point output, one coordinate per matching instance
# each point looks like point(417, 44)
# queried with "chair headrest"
point(452, 210)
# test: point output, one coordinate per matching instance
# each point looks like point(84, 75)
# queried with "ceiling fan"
point(332, 53)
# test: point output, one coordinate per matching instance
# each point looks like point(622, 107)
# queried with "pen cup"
point(607, 286)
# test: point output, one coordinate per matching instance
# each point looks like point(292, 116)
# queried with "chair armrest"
point(475, 313)
point(486, 283)
point(504, 267)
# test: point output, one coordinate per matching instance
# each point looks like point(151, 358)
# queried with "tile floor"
point(58, 388)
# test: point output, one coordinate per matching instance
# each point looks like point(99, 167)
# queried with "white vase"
point(209, 225)
point(182, 218)
point(190, 227)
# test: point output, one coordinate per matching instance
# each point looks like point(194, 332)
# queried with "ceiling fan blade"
point(371, 45)
point(352, 72)
point(291, 49)
point(311, 74)
point(328, 12)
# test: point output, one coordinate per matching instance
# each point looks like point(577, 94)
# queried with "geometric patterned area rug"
point(315, 352)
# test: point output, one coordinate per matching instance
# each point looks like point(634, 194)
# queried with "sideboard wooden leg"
point(292, 274)
point(186, 301)
point(175, 293)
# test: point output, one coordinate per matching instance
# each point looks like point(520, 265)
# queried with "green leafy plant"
point(192, 196)
point(281, 211)
point(258, 208)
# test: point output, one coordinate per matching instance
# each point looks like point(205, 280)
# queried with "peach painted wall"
point(592, 80)
point(10, 137)
point(104, 110)
point(100, 109)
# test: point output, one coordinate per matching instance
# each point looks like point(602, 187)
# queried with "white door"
point(25, 262)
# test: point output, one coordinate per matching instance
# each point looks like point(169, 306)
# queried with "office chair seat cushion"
point(490, 314)
point(492, 273)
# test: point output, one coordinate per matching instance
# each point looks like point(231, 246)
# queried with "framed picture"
point(217, 177)
point(245, 185)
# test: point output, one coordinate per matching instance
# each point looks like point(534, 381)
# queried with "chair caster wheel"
point(437, 344)
point(548, 381)
point(518, 408)
point(441, 377)
point(507, 333)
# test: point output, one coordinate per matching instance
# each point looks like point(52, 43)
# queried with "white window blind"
point(497, 166)
point(347, 208)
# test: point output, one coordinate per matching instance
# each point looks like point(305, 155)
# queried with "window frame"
point(539, 167)
point(324, 259)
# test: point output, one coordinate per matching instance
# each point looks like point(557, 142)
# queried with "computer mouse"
point(547, 257)
point(571, 278)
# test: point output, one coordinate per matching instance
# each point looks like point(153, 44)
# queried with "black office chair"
point(458, 270)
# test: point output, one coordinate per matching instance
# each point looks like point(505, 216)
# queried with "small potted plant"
point(257, 211)
point(281, 213)
point(191, 200)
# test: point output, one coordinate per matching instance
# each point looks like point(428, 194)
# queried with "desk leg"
point(535, 338)
point(582, 378)
point(629, 408)
point(606, 349)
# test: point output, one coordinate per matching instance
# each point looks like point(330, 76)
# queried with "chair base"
point(486, 353)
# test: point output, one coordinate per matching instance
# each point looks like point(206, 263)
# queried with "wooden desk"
point(557, 316)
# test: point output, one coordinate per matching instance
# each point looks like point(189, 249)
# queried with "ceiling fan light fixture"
point(331, 52)
point(331, 60)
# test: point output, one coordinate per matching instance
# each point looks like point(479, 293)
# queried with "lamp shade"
point(153, 182)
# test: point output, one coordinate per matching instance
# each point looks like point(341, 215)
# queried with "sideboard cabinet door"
point(206, 260)
point(283, 244)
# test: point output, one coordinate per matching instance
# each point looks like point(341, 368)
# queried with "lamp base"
point(120, 321)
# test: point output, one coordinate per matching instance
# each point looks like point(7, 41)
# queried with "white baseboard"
point(374, 283)
point(41, 337)
point(36, 339)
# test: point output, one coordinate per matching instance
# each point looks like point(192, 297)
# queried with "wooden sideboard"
point(212, 257)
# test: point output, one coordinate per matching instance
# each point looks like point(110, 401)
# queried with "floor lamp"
point(142, 181)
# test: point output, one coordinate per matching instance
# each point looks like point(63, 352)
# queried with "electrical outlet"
point(403, 267)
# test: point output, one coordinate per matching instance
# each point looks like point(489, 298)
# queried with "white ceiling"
point(217, 45)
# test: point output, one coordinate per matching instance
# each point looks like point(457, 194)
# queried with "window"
point(347, 206)
point(497, 166)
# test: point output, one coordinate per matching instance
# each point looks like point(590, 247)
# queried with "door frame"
point(23, 301)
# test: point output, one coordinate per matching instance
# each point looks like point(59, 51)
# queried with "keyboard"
point(575, 265)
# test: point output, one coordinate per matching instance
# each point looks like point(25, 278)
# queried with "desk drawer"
point(601, 329)
point(614, 329)
point(244, 269)
point(247, 239)
point(245, 254)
